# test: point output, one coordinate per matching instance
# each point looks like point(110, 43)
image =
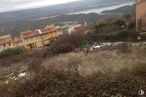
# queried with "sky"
point(11, 5)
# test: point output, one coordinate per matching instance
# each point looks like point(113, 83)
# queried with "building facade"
point(5, 42)
point(31, 39)
point(17, 42)
point(40, 37)
point(141, 16)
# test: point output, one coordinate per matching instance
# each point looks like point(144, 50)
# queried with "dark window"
point(4, 45)
point(9, 44)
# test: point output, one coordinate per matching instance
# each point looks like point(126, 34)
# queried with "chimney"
point(40, 32)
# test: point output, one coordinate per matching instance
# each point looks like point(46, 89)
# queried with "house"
point(79, 28)
point(50, 33)
point(72, 29)
point(6, 42)
point(141, 17)
point(40, 37)
point(31, 39)
point(17, 42)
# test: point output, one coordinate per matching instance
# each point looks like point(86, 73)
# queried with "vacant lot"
point(103, 73)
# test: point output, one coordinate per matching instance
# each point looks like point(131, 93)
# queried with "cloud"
point(10, 5)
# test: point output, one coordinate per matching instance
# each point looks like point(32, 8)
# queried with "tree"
point(120, 23)
point(127, 17)
point(131, 25)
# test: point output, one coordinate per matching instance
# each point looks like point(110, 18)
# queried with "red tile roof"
point(5, 39)
point(17, 39)
point(28, 34)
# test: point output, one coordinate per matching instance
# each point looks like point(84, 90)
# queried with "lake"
point(99, 10)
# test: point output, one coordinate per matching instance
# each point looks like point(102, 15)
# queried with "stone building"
point(6, 42)
point(31, 39)
point(141, 17)
point(40, 37)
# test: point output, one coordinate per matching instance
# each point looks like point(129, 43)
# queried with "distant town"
point(37, 38)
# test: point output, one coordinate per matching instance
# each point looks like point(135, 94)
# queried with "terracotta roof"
point(17, 39)
point(28, 34)
point(44, 31)
point(5, 39)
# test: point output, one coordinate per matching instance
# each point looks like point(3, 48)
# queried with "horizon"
point(16, 5)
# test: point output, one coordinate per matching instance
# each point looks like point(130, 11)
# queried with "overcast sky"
point(10, 5)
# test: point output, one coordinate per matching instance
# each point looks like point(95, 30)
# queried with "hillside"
point(16, 27)
point(62, 9)
point(103, 73)
point(18, 21)
point(124, 9)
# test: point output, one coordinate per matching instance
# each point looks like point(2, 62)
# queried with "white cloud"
point(10, 5)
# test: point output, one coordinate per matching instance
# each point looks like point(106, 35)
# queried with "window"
point(4, 45)
point(9, 44)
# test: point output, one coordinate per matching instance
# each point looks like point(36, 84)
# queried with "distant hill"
point(124, 9)
point(17, 21)
point(16, 28)
point(62, 9)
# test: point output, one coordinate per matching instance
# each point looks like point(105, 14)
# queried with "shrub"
point(66, 84)
point(120, 23)
point(127, 17)
point(67, 43)
point(131, 25)
point(100, 26)
point(120, 35)
point(10, 52)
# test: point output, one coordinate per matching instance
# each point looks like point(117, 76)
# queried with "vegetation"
point(125, 10)
point(101, 74)
point(119, 29)
point(65, 84)
point(67, 43)
point(23, 22)
point(53, 72)
point(11, 52)
point(16, 27)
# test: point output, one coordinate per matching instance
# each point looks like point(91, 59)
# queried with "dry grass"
point(101, 61)
point(100, 74)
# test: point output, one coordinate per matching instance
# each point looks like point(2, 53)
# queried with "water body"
point(99, 10)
